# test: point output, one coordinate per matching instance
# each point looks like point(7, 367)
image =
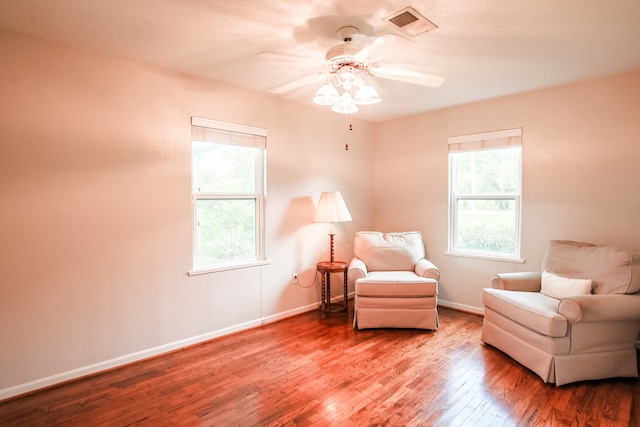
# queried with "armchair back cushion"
point(389, 251)
point(612, 270)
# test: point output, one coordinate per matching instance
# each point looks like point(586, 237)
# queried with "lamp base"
point(331, 258)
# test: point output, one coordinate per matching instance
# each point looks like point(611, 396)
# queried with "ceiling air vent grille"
point(410, 22)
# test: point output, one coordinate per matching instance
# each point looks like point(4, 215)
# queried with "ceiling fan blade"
point(298, 83)
point(409, 76)
point(376, 50)
point(290, 59)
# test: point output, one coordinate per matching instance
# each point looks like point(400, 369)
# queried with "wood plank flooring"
point(314, 370)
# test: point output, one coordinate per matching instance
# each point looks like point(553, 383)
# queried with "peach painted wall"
point(581, 153)
point(95, 219)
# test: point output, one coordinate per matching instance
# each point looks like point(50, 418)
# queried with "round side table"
point(325, 268)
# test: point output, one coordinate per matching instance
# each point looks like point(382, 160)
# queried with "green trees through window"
point(226, 230)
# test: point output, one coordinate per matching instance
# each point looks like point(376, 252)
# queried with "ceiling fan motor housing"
point(343, 54)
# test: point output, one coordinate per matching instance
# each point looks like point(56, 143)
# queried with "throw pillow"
point(562, 287)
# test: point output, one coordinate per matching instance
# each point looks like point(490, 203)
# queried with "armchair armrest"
point(426, 268)
point(357, 270)
point(602, 308)
point(518, 281)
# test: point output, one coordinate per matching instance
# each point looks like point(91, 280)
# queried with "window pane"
point(221, 168)
point(486, 225)
point(487, 171)
point(226, 230)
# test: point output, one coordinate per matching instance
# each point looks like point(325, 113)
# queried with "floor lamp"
point(331, 208)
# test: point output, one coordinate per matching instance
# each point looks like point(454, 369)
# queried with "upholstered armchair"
point(395, 286)
point(577, 319)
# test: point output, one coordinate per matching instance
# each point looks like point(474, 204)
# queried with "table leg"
point(346, 293)
point(323, 292)
point(328, 306)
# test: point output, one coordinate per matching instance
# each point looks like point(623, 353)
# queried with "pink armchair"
point(395, 286)
point(578, 319)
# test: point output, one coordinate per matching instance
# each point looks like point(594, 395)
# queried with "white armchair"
point(578, 319)
point(395, 286)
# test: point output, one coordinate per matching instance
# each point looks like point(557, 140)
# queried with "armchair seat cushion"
point(551, 345)
point(396, 284)
point(533, 310)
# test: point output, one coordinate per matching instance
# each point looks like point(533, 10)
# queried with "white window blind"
point(207, 130)
point(487, 140)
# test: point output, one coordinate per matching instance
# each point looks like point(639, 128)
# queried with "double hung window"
point(485, 188)
point(228, 189)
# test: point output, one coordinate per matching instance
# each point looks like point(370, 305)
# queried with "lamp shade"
point(331, 208)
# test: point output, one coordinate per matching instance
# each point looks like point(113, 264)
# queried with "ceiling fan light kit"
point(354, 61)
point(350, 78)
point(348, 72)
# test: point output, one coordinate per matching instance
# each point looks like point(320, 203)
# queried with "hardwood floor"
point(311, 370)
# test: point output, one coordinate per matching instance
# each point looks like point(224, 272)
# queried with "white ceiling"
point(490, 48)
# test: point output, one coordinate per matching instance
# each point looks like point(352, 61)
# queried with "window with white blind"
point(228, 190)
point(485, 186)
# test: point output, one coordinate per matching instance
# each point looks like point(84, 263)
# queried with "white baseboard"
point(461, 307)
point(144, 354)
point(340, 298)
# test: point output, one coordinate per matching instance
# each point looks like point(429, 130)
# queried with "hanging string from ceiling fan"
point(350, 128)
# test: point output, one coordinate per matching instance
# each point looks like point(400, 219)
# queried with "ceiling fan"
point(349, 67)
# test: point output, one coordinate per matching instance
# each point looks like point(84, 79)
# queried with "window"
point(228, 188)
point(485, 194)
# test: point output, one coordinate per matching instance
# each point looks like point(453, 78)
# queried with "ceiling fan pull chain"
point(346, 137)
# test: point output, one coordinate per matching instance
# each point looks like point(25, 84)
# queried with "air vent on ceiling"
point(410, 22)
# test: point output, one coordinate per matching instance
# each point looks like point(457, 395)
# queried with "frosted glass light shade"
point(346, 105)
point(331, 208)
point(367, 95)
point(326, 95)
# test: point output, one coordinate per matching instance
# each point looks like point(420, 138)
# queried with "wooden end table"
point(325, 268)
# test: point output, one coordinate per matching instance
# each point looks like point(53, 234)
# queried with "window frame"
point(218, 132)
point(480, 142)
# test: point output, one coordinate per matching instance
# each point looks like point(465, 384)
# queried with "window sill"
point(226, 267)
point(486, 257)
